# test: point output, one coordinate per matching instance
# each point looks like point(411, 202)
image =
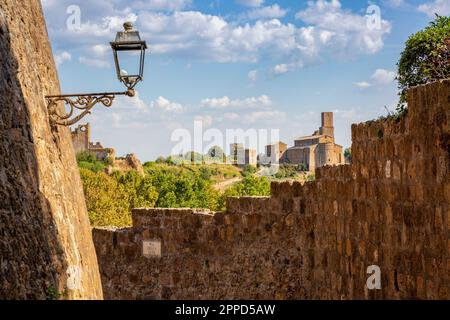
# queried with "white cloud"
point(383, 77)
point(363, 84)
point(62, 57)
point(196, 36)
point(166, 105)
point(93, 62)
point(345, 31)
point(210, 38)
point(441, 7)
point(280, 69)
point(274, 11)
point(253, 75)
point(250, 3)
point(225, 102)
point(100, 50)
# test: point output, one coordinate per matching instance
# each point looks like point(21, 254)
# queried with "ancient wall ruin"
point(390, 208)
point(45, 238)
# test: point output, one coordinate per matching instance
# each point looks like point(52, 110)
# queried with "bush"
point(425, 58)
point(249, 170)
point(251, 186)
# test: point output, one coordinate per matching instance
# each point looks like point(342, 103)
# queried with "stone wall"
point(390, 208)
point(45, 238)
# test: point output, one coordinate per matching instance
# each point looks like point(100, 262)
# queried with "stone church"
point(313, 151)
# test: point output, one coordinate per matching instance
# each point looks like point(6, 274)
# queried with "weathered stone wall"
point(389, 208)
point(45, 238)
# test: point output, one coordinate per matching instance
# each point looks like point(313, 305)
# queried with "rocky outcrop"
point(130, 162)
point(46, 248)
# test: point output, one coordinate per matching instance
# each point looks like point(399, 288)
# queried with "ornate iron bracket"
point(82, 102)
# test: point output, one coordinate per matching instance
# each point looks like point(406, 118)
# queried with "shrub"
point(249, 170)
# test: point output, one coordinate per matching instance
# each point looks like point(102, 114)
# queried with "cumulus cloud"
point(62, 57)
point(225, 102)
point(341, 29)
point(274, 11)
point(196, 36)
point(381, 77)
point(101, 50)
point(280, 68)
point(363, 84)
point(167, 105)
point(441, 7)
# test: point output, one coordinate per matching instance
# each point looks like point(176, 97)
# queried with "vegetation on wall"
point(348, 155)
point(426, 58)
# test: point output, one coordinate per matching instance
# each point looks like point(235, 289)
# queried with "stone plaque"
point(151, 248)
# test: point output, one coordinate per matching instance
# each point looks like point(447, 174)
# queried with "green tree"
point(425, 58)
point(141, 192)
point(107, 200)
point(251, 186)
point(88, 161)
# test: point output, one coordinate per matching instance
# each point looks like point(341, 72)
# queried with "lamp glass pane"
point(129, 63)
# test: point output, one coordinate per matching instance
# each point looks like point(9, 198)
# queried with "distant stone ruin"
point(81, 140)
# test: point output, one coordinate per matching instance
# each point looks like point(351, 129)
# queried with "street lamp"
point(127, 47)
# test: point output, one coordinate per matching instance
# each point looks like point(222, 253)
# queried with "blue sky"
point(236, 64)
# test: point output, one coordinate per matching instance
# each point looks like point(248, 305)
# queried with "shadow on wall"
point(31, 255)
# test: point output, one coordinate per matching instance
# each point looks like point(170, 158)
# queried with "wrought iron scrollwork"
point(82, 102)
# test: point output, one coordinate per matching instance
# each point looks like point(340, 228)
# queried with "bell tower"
point(327, 127)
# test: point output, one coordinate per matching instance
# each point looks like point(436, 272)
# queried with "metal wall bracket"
point(83, 102)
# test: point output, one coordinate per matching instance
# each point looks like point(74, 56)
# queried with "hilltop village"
point(310, 152)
